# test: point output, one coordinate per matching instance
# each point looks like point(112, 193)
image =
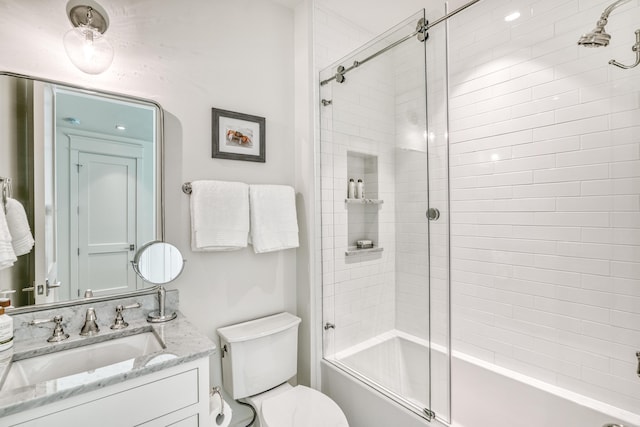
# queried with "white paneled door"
point(106, 223)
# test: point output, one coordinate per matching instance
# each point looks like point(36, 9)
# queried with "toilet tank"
point(259, 354)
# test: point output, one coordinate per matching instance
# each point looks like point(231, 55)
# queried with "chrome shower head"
point(596, 38)
point(599, 38)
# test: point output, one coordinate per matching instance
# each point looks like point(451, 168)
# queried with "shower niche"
point(362, 212)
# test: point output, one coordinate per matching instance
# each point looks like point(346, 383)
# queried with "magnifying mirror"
point(158, 262)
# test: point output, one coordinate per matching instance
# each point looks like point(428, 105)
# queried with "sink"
point(79, 365)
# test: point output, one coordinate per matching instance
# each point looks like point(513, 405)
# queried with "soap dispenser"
point(6, 331)
point(5, 301)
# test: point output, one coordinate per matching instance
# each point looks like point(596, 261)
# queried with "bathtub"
point(482, 395)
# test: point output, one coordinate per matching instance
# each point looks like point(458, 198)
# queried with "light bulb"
point(88, 49)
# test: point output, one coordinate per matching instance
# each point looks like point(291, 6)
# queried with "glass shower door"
point(377, 265)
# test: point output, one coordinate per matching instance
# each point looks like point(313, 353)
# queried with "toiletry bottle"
point(360, 190)
point(5, 301)
point(6, 331)
point(351, 192)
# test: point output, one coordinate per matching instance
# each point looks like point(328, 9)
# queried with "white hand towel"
point(19, 228)
point(274, 223)
point(219, 215)
point(7, 256)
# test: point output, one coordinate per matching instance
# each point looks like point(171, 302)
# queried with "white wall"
point(190, 56)
point(545, 205)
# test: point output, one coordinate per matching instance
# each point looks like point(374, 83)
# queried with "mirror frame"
point(161, 188)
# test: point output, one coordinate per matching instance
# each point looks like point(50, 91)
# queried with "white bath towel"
point(7, 256)
point(219, 215)
point(274, 223)
point(19, 228)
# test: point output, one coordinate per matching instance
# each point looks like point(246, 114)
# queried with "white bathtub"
point(482, 395)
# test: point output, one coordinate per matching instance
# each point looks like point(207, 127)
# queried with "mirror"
point(158, 263)
point(87, 167)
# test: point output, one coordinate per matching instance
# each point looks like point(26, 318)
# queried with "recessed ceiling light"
point(512, 16)
point(72, 121)
point(121, 127)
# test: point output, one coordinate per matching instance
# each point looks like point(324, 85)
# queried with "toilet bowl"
point(300, 406)
point(259, 357)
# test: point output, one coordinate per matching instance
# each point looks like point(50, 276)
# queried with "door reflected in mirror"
point(158, 263)
point(105, 183)
point(86, 167)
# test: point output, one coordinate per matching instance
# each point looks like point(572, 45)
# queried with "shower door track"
point(422, 28)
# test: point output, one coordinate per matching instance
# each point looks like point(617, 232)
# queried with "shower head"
point(596, 38)
point(599, 37)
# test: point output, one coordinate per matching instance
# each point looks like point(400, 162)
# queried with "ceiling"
point(102, 115)
point(380, 15)
point(289, 3)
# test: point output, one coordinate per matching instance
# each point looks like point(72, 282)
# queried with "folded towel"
point(19, 228)
point(274, 223)
point(219, 215)
point(7, 256)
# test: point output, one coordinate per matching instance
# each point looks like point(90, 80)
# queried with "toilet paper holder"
point(220, 416)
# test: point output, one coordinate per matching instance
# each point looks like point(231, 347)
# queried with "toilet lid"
point(302, 407)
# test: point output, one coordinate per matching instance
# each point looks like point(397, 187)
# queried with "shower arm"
point(611, 7)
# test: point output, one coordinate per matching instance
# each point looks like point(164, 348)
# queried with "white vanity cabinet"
point(175, 396)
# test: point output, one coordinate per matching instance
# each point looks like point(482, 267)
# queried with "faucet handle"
point(119, 322)
point(58, 332)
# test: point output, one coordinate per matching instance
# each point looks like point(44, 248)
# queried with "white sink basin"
point(83, 364)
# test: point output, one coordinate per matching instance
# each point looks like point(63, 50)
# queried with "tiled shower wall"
point(412, 190)
point(545, 195)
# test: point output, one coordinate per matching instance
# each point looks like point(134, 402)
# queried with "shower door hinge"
point(429, 413)
point(421, 30)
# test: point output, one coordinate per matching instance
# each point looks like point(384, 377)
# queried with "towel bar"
point(186, 188)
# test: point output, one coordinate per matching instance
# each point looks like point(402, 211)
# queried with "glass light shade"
point(88, 49)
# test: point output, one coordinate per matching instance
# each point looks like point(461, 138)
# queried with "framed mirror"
point(87, 167)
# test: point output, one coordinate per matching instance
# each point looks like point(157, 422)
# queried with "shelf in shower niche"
point(363, 201)
point(353, 251)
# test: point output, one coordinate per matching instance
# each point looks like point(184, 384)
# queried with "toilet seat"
point(302, 406)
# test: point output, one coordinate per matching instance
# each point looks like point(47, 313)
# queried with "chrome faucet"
point(90, 326)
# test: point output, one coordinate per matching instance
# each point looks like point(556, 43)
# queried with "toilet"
point(258, 358)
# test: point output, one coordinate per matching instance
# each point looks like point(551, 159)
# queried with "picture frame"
point(237, 136)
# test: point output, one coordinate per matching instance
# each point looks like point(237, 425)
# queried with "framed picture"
point(237, 136)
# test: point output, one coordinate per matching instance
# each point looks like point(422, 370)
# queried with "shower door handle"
point(433, 214)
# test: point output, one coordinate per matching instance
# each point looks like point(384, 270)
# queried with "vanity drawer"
point(130, 406)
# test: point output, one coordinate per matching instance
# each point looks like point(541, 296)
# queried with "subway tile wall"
point(545, 195)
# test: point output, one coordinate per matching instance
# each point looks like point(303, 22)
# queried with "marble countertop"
point(182, 342)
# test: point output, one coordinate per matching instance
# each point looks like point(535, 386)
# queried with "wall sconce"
point(85, 44)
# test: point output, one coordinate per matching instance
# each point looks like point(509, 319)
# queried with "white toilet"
point(258, 357)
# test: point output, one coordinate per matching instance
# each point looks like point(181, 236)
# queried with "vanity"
point(97, 340)
point(152, 374)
